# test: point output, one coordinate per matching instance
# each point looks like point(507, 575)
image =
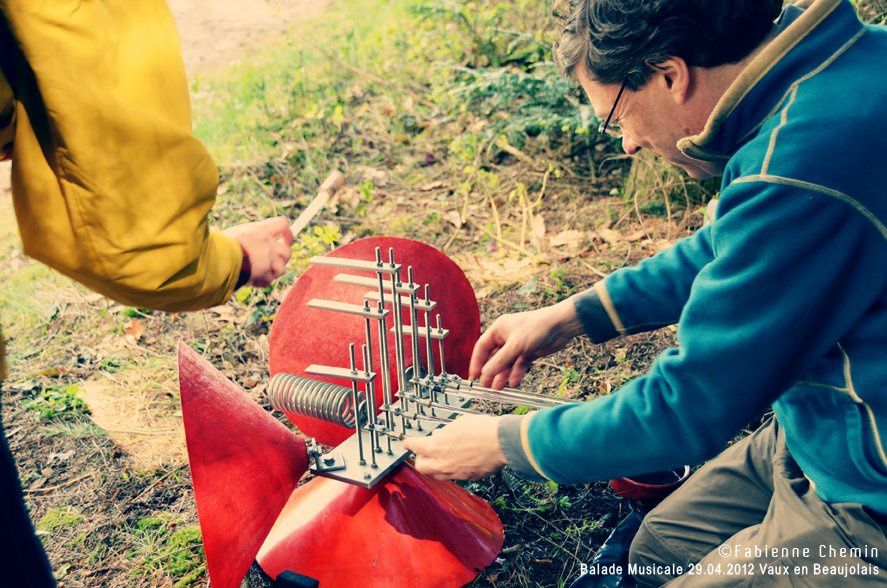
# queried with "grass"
point(453, 128)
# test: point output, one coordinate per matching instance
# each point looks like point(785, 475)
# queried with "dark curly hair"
point(619, 40)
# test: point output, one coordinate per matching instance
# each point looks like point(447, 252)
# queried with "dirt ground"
point(110, 493)
point(217, 33)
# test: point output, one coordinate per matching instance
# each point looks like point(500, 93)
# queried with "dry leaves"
point(134, 329)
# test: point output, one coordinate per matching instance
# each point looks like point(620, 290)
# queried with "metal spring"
point(313, 398)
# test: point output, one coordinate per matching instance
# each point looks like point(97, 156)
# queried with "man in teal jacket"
point(780, 302)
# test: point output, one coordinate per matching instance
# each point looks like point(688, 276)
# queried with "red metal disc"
point(244, 466)
point(301, 335)
point(410, 530)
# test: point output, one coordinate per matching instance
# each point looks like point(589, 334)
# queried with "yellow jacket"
point(109, 185)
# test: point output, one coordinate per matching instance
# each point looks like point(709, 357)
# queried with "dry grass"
point(528, 224)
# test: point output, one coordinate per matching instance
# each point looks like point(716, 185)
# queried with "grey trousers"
point(749, 517)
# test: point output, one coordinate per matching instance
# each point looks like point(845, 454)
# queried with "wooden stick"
point(327, 189)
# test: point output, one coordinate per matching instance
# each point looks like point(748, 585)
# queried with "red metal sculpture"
point(406, 530)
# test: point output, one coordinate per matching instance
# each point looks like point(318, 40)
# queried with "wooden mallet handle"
point(330, 186)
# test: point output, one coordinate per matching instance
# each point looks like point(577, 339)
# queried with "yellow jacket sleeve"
point(109, 185)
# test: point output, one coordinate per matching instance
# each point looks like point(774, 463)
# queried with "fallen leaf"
point(636, 236)
point(570, 238)
point(379, 177)
point(135, 329)
point(93, 298)
point(64, 456)
point(454, 217)
point(225, 313)
point(611, 236)
point(431, 186)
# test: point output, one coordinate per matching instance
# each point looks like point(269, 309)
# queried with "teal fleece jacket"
point(781, 301)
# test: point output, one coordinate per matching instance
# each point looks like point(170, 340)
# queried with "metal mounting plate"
point(367, 476)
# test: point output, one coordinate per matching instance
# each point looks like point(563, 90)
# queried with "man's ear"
point(675, 76)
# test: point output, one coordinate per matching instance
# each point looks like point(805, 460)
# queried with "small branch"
point(71, 482)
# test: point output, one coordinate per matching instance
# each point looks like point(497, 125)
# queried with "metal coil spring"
point(313, 398)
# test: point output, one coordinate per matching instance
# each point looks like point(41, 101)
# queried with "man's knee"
point(650, 558)
point(642, 547)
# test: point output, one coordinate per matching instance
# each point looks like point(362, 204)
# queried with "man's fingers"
point(500, 362)
point(518, 371)
point(484, 347)
point(432, 468)
point(500, 379)
point(417, 445)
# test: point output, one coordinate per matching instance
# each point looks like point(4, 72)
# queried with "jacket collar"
point(813, 34)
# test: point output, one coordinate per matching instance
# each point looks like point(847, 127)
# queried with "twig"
point(515, 246)
point(591, 268)
point(542, 189)
point(452, 238)
point(496, 217)
point(71, 482)
point(637, 212)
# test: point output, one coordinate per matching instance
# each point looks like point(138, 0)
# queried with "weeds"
point(453, 126)
point(58, 403)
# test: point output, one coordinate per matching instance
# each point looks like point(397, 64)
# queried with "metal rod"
point(371, 387)
point(387, 401)
point(371, 404)
point(442, 334)
point(440, 350)
point(429, 353)
point(383, 340)
point(354, 398)
point(414, 340)
point(337, 372)
point(446, 407)
point(433, 419)
point(368, 282)
point(357, 309)
point(414, 328)
point(353, 264)
point(421, 305)
point(398, 328)
point(506, 397)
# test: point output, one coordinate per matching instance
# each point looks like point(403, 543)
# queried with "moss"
point(59, 518)
point(151, 523)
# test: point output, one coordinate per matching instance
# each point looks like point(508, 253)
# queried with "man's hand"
point(266, 247)
point(466, 449)
point(503, 354)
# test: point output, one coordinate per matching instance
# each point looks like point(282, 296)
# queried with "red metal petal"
point(301, 335)
point(244, 466)
point(410, 530)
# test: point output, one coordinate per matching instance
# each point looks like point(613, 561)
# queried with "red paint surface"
point(410, 530)
point(244, 466)
point(301, 335)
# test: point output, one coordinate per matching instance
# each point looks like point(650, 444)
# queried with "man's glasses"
point(606, 128)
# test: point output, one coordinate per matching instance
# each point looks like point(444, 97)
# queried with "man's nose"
point(629, 146)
